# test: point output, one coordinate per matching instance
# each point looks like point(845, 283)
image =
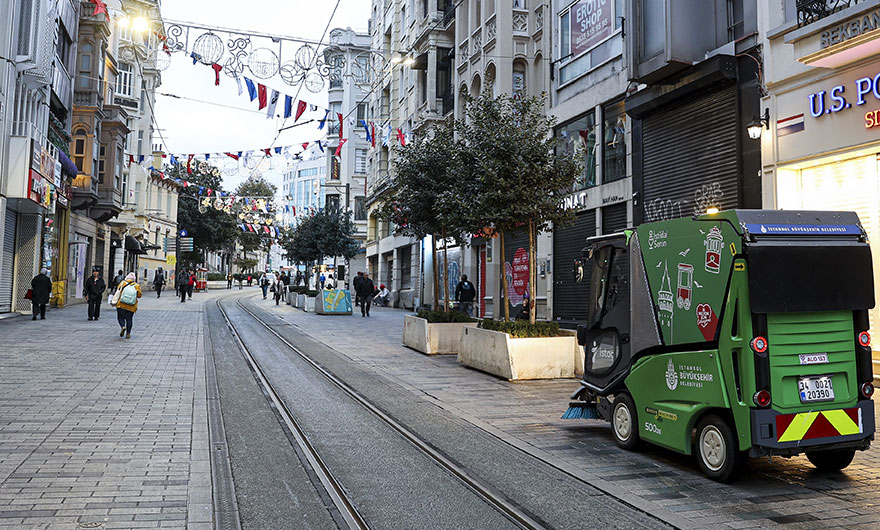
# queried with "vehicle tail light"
point(758, 344)
point(761, 398)
point(867, 389)
point(865, 339)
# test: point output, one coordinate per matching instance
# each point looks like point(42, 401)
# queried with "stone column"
point(431, 80)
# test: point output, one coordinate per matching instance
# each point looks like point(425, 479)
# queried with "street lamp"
point(140, 24)
point(756, 126)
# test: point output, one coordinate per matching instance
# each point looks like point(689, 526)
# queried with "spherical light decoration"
point(291, 74)
point(202, 208)
point(314, 82)
point(263, 63)
point(163, 60)
point(230, 167)
point(209, 47)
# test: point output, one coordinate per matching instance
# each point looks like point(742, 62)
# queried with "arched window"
point(537, 84)
point(490, 79)
point(80, 141)
point(476, 86)
point(519, 78)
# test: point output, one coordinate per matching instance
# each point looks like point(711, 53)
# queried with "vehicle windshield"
point(794, 276)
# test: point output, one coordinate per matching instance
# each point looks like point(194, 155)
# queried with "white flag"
point(273, 101)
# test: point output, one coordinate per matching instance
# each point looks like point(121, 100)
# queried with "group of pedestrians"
point(186, 284)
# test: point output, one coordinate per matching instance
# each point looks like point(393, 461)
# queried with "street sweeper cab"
point(735, 334)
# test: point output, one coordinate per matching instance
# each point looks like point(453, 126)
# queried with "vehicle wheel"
point(717, 451)
point(624, 421)
point(831, 460)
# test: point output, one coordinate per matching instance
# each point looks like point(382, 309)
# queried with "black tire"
point(717, 449)
point(624, 421)
point(831, 460)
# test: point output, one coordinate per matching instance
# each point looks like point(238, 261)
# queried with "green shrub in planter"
point(434, 317)
point(216, 277)
point(522, 329)
point(311, 293)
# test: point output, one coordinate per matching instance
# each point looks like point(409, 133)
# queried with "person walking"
point(285, 282)
point(229, 281)
point(355, 283)
point(159, 281)
point(114, 283)
point(322, 279)
point(250, 280)
point(264, 284)
point(94, 292)
point(126, 302)
point(365, 293)
point(191, 284)
point(41, 290)
point(465, 292)
point(182, 281)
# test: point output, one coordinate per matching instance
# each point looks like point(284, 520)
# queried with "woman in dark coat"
point(41, 289)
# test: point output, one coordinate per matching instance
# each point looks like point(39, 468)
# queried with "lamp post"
point(757, 125)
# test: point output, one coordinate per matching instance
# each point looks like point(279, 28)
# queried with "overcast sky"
point(215, 118)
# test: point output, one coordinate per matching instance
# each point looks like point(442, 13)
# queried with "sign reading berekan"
point(591, 23)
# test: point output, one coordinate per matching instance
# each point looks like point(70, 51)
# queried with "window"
point(735, 20)
point(101, 152)
point(579, 137)
point(124, 80)
point(117, 175)
point(79, 149)
point(360, 209)
point(403, 22)
point(360, 161)
point(335, 109)
point(137, 192)
point(585, 24)
point(85, 66)
point(64, 46)
point(652, 28)
point(614, 134)
point(333, 202)
point(361, 111)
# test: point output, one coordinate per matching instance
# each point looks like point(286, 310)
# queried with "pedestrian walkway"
point(98, 431)
point(527, 414)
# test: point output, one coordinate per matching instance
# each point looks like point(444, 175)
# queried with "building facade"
point(821, 132)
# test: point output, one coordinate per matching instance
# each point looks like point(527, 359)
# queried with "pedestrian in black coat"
point(159, 281)
point(41, 290)
point(93, 291)
point(365, 290)
point(355, 283)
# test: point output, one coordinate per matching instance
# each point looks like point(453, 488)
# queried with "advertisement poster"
point(517, 276)
point(591, 22)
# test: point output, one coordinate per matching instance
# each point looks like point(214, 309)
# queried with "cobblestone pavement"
point(97, 431)
point(782, 492)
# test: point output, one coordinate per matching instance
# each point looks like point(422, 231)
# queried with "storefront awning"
point(67, 166)
point(134, 246)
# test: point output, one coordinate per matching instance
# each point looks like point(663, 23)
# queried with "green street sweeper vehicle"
point(738, 334)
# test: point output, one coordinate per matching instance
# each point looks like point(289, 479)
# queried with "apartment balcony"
point(809, 11)
point(88, 98)
point(62, 84)
point(85, 192)
point(108, 205)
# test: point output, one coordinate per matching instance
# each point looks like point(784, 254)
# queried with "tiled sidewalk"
point(97, 431)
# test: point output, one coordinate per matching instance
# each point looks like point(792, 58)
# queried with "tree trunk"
point(436, 261)
point(533, 303)
point(445, 274)
point(504, 278)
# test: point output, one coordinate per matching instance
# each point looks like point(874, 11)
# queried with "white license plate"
point(813, 358)
point(813, 389)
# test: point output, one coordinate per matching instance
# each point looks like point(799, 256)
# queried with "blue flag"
point(367, 128)
point(323, 120)
point(288, 106)
point(252, 90)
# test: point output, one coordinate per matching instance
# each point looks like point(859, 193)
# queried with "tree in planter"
point(428, 195)
point(210, 228)
point(252, 241)
point(516, 175)
point(330, 232)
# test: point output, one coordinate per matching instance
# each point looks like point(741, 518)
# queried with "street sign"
point(167, 243)
point(183, 233)
point(186, 244)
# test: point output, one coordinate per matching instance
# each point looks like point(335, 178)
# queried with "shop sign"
point(56, 174)
point(591, 22)
point(850, 29)
point(833, 101)
point(39, 189)
point(47, 163)
point(575, 201)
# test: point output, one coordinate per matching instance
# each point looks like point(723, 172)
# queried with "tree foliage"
point(211, 229)
point(512, 171)
point(330, 232)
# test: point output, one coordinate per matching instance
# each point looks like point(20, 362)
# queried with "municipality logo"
point(671, 376)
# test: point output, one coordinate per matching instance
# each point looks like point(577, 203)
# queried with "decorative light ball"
point(209, 47)
point(163, 60)
point(263, 63)
point(230, 167)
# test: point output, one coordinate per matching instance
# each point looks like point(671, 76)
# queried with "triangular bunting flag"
point(300, 108)
point(339, 115)
point(261, 95)
point(339, 147)
point(288, 106)
point(273, 101)
point(323, 120)
point(305, 145)
point(252, 90)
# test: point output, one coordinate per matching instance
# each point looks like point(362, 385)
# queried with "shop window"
point(614, 134)
point(579, 137)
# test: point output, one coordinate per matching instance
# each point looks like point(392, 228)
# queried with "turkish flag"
point(261, 94)
point(300, 108)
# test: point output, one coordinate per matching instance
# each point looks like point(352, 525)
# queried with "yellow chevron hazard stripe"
point(798, 427)
point(841, 421)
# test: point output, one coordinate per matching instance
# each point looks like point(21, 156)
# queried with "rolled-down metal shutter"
point(689, 157)
point(7, 262)
point(570, 297)
point(614, 218)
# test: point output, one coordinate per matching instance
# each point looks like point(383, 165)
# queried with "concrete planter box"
point(309, 304)
point(435, 338)
point(299, 300)
point(517, 359)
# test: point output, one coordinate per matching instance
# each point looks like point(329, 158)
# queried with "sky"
point(204, 118)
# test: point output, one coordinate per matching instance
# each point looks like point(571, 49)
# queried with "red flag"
point(266, 229)
point(373, 133)
point(339, 147)
point(340, 124)
point(300, 108)
point(268, 152)
point(100, 7)
point(305, 145)
point(401, 137)
point(217, 69)
point(261, 94)
point(210, 191)
point(230, 155)
point(188, 160)
point(130, 160)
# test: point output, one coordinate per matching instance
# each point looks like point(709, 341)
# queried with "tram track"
point(342, 501)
